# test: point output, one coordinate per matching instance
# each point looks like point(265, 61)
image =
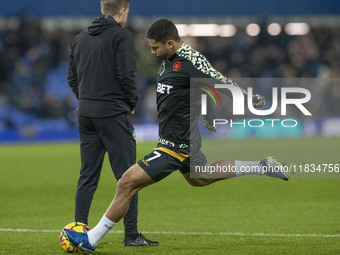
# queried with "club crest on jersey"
point(177, 65)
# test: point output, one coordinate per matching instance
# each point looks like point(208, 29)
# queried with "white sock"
point(100, 230)
point(248, 167)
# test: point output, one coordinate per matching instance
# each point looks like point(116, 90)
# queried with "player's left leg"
point(204, 179)
point(233, 168)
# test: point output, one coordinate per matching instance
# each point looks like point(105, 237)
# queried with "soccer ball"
point(74, 226)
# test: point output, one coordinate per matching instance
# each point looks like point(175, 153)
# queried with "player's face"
point(161, 50)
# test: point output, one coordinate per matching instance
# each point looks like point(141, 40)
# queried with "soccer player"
point(175, 150)
point(102, 75)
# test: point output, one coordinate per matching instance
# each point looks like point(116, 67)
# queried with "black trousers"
point(98, 135)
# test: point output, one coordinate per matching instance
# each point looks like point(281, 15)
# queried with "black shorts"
point(163, 161)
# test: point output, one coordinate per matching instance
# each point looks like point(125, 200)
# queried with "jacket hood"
point(101, 23)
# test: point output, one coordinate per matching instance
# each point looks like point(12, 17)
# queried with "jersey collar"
point(185, 47)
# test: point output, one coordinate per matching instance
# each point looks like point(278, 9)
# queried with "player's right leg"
point(117, 134)
point(134, 179)
point(154, 167)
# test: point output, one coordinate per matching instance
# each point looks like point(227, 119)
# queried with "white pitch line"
point(184, 233)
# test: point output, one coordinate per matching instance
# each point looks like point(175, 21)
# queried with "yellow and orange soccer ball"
point(74, 226)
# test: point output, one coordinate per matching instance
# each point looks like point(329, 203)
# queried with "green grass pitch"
point(237, 216)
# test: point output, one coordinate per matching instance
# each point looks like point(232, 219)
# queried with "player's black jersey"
point(173, 97)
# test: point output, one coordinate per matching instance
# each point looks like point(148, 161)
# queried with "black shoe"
point(140, 240)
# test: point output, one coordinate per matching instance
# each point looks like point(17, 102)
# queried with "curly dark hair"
point(163, 30)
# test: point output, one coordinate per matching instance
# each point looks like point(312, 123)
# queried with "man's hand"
point(208, 123)
point(258, 101)
point(133, 112)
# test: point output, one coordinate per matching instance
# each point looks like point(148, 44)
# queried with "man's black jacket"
point(102, 69)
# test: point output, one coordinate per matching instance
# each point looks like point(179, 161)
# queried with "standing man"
point(102, 75)
point(175, 150)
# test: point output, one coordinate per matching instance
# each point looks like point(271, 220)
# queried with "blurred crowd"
point(33, 67)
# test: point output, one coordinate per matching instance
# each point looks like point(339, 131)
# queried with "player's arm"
point(258, 100)
point(205, 70)
point(72, 75)
point(126, 68)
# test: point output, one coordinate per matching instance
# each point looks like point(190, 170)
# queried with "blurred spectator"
point(33, 65)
